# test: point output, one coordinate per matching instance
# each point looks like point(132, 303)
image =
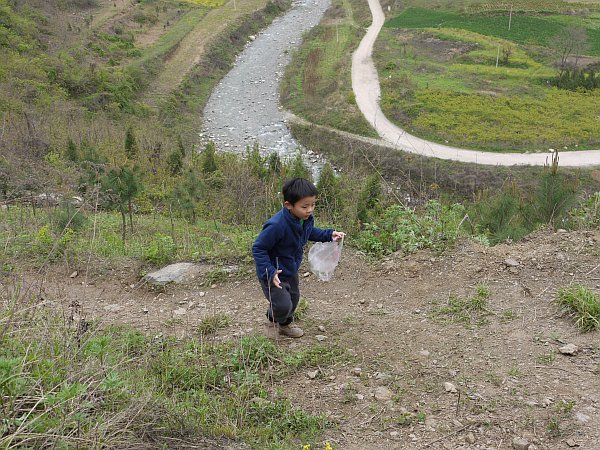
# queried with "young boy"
point(278, 252)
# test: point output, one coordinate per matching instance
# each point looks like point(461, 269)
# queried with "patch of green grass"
point(525, 29)
point(546, 358)
point(29, 239)
point(582, 304)
point(465, 309)
point(212, 324)
point(114, 384)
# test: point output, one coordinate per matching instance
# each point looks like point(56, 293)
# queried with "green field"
point(465, 79)
point(524, 29)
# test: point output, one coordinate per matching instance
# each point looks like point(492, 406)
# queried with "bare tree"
point(570, 42)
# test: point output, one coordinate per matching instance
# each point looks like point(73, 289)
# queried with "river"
point(244, 108)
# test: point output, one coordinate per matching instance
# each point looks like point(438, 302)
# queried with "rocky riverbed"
point(244, 108)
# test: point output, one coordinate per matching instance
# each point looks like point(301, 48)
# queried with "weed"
point(302, 309)
point(546, 358)
point(582, 304)
point(508, 316)
point(514, 372)
point(459, 309)
point(161, 250)
point(211, 324)
point(214, 276)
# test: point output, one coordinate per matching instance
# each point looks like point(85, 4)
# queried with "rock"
point(547, 402)
point(449, 387)
point(145, 310)
point(180, 312)
point(321, 328)
point(312, 374)
point(357, 371)
point(320, 337)
point(424, 353)
point(306, 274)
point(74, 274)
point(383, 394)
point(113, 308)
point(572, 443)
point(394, 434)
point(582, 418)
point(173, 273)
point(520, 443)
point(569, 349)
point(360, 397)
point(510, 262)
point(457, 423)
point(381, 376)
point(470, 438)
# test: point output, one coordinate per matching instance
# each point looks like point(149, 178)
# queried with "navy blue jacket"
point(280, 245)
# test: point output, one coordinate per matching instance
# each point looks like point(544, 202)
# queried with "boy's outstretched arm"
point(320, 235)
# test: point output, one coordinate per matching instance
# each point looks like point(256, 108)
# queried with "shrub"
point(161, 250)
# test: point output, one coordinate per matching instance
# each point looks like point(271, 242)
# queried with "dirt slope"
point(511, 380)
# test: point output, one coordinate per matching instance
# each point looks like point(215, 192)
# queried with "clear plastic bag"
point(323, 257)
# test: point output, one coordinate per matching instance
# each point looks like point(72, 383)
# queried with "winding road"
point(365, 83)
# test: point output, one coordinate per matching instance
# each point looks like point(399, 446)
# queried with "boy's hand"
point(276, 281)
point(337, 235)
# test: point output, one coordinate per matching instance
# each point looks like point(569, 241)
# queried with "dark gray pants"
point(283, 302)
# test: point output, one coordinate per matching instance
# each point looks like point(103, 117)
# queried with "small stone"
point(357, 371)
point(306, 274)
point(470, 438)
point(380, 376)
point(572, 443)
point(201, 294)
point(360, 397)
point(510, 262)
point(569, 349)
point(312, 374)
point(449, 387)
point(320, 337)
point(520, 443)
point(321, 328)
point(582, 418)
point(457, 423)
point(145, 310)
point(74, 274)
point(379, 305)
point(180, 312)
point(362, 302)
point(547, 402)
point(394, 434)
point(213, 286)
point(383, 394)
point(424, 353)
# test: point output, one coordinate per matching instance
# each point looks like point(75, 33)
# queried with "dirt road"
point(365, 83)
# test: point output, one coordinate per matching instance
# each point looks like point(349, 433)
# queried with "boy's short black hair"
point(297, 188)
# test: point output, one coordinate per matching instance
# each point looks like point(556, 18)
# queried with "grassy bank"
point(317, 84)
point(67, 382)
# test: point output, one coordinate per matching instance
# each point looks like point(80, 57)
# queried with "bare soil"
point(511, 380)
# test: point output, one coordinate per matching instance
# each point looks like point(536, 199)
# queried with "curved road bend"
point(365, 84)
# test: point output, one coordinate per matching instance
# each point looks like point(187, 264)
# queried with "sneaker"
point(291, 331)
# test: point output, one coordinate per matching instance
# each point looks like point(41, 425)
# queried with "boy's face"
point(303, 208)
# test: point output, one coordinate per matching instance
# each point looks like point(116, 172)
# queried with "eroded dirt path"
point(365, 83)
point(511, 380)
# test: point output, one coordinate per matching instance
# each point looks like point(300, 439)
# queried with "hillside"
point(398, 346)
